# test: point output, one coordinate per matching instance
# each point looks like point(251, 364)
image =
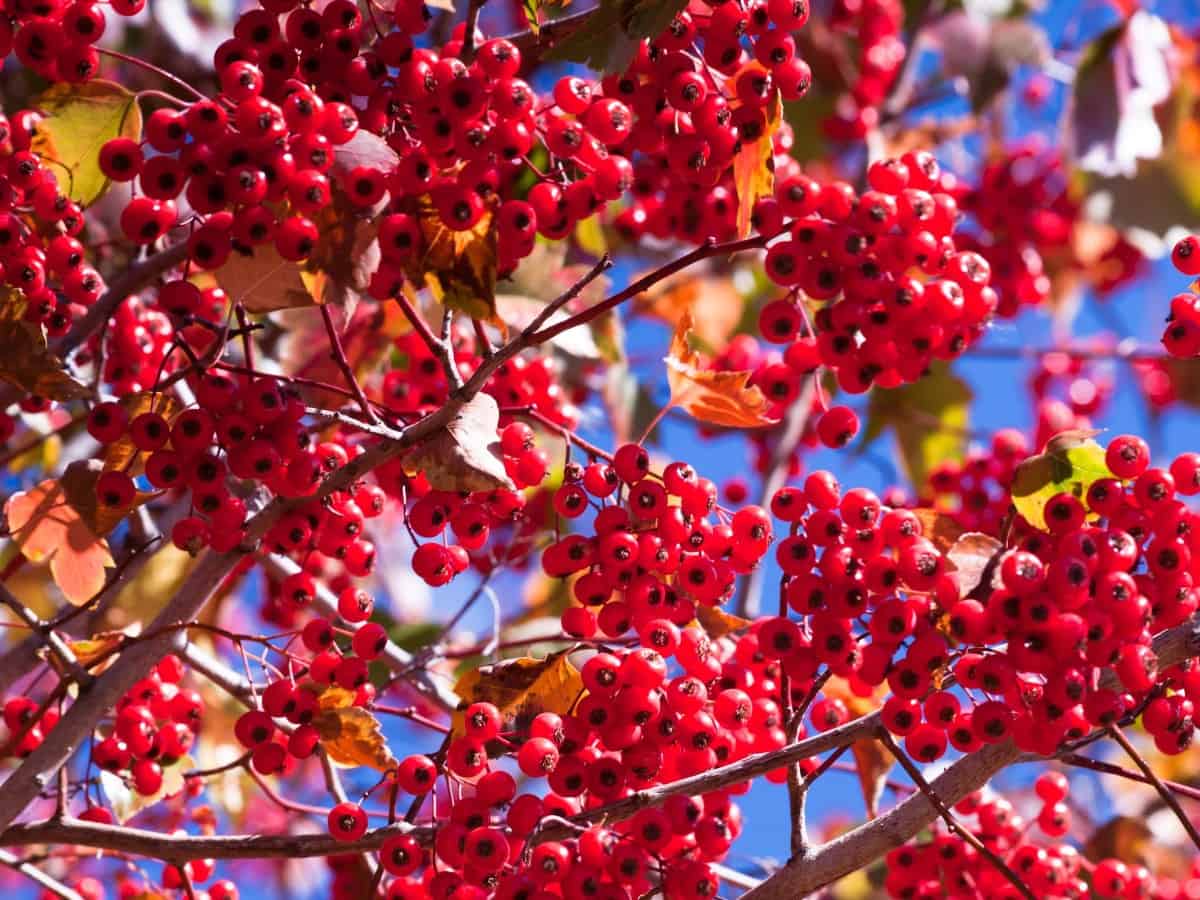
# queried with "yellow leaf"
point(1070, 464)
point(719, 398)
point(121, 454)
point(353, 737)
point(713, 302)
point(465, 455)
point(80, 119)
point(89, 651)
point(43, 455)
point(48, 529)
point(589, 235)
point(458, 267)
point(719, 623)
point(27, 361)
point(520, 688)
point(754, 165)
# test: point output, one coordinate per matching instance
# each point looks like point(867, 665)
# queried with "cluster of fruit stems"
point(168, 632)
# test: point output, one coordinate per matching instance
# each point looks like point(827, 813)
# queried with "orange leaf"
point(938, 527)
point(719, 398)
point(49, 529)
point(521, 688)
point(715, 305)
point(719, 623)
point(754, 167)
point(121, 454)
point(353, 737)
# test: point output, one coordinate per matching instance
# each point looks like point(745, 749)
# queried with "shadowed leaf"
point(520, 688)
point(1070, 464)
point(465, 456)
point(80, 119)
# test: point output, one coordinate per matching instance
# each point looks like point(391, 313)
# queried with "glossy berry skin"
point(347, 822)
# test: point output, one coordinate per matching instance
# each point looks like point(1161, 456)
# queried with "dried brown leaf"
point(465, 455)
point(520, 689)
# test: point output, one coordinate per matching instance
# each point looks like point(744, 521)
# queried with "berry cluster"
point(853, 253)
point(875, 27)
point(652, 542)
point(1182, 334)
point(1027, 215)
point(879, 604)
point(40, 252)
point(947, 864)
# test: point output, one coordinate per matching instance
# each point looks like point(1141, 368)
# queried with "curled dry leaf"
point(48, 529)
point(465, 456)
point(972, 555)
point(942, 529)
point(520, 689)
point(1070, 464)
point(719, 398)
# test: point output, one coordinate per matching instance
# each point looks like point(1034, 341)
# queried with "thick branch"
point(854, 849)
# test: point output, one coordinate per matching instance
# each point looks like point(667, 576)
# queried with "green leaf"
point(608, 40)
point(80, 119)
point(929, 418)
point(1070, 464)
point(413, 636)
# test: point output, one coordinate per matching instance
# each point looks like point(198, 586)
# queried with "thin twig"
point(338, 353)
point(1152, 777)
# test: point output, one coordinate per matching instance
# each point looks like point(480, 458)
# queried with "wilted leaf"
point(126, 803)
point(79, 485)
point(352, 736)
point(971, 555)
point(1070, 464)
point(719, 398)
point(27, 361)
point(121, 453)
point(263, 281)
point(465, 455)
point(458, 267)
point(929, 418)
point(712, 300)
point(48, 529)
point(754, 167)
point(607, 41)
point(520, 688)
point(942, 529)
point(365, 149)
point(80, 119)
point(719, 623)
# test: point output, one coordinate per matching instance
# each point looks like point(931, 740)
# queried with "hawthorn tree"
point(437, 453)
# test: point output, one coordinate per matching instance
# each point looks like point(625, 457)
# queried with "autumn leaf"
point(972, 555)
point(719, 398)
point(122, 455)
point(1070, 464)
point(719, 623)
point(465, 455)
point(754, 164)
point(352, 736)
point(80, 119)
point(48, 529)
point(263, 281)
point(520, 688)
point(458, 267)
point(79, 485)
point(871, 760)
point(27, 361)
point(88, 651)
point(929, 418)
point(940, 528)
point(714, 303)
